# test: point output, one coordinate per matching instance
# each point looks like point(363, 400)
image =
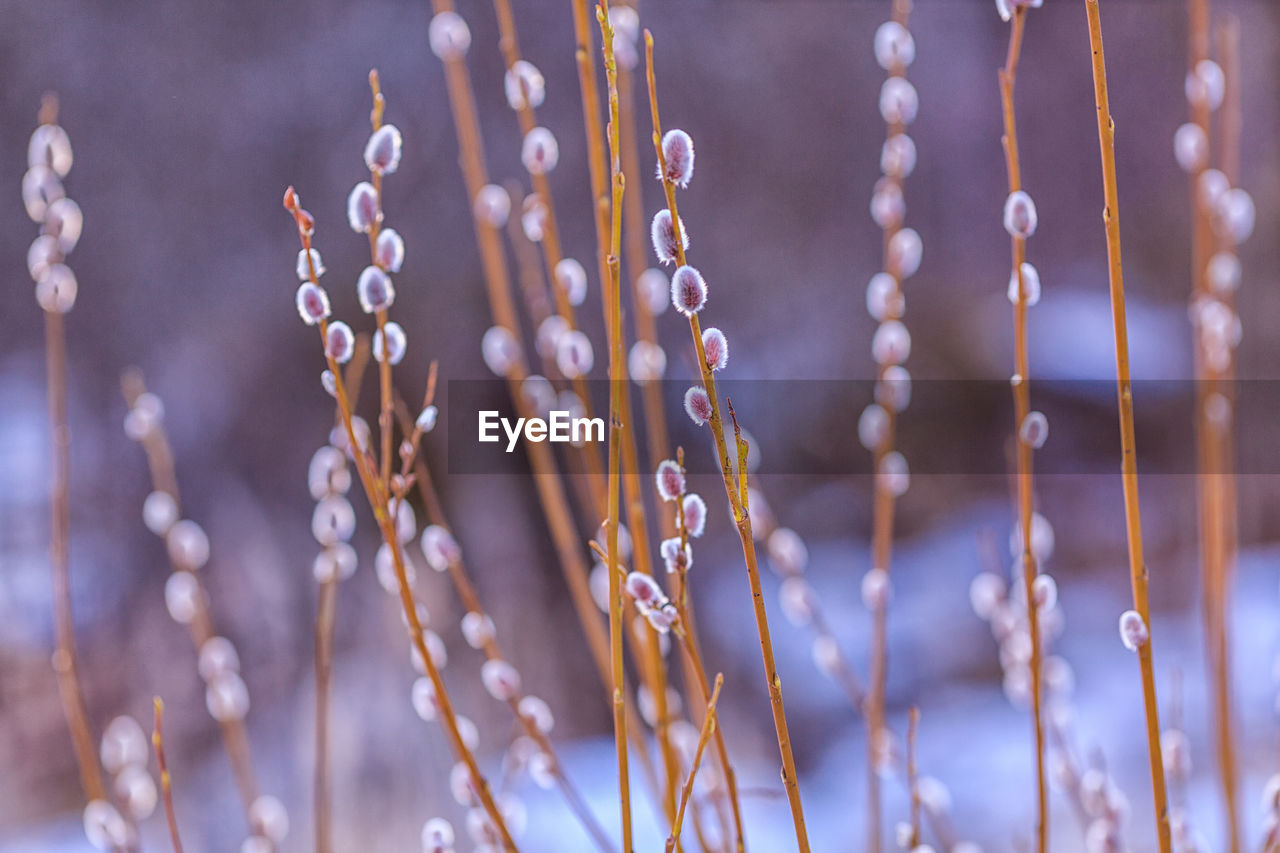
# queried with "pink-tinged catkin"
point(389, 249)
point(670, 480)
point(674, 557)
point(382, 151)
point(524, 85)
point(716, 348)
point(390, 346)
point(437, 836)
point(375, 290)
point(663, 237)
point(697, 405)
point(695, 514)
point(362, 207)
point(307, 261)
point(312, 302)
point(688, 291)
point(677, 150)
point(539, 152)
point(1020, 217)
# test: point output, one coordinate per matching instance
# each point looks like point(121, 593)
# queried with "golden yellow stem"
point(166, 783)
point(1024, 481)
point(1124, 391)
point(741, 518)
point(708, 725)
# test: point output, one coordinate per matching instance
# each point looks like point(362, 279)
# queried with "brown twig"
point(461, 578)
point(379, 503)
point(65, 665)
point(741, 516)
point(1129, 464)
point(1022, 408)
point(709, 724)
point(155, 444)
point(166, 783)
point(617, 387)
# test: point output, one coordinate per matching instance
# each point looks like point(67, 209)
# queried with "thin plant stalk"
point(64, 657)
point(617, 388)
point(654, 669)
point(708, 725)
point(883, 510)
point(1124, 390)
point(166, 782)
point(65, 664)
point(741, 516)
point(378, 499)
point(461, 578)
point(1022, 408)
point(326, 618)
point(552, 252)
point(547, 479)
point(164, 478)
point(913, 724)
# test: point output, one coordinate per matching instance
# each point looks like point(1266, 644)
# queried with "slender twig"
point(166, 782)
point(913, 723)
point(65, 665)
point(741, 516)
point(552, 252)
point(326, 617)
point(1129, 462)
point(164, 478)
point(471, 603)
point(378, 499)
point(617, 387)
point(1022, 408)
point(547, 477)
point(709, 724)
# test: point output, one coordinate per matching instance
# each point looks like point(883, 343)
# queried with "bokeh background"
point(188, 120)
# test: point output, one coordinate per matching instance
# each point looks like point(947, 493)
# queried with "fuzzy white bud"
point(382, 151)
point(449, 36)
point(362, 207)
point(677, 151)
point(492, 205)
point(697, 405)
point(1020, 215)
point(894, 46)
point(716, 348)
point(539, 152)
point(524, 85)
point(663, 237)
point(899, 102)
point(375, 290)
point(391, 346)
point(1133, 630)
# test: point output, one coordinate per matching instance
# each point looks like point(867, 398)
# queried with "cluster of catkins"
point(891, 344)
point(124, 755)
point(374, 287)
point(677, 551)
point(501, 680)
point(218, 662)
point(1232, 214)
point(1101, 803)
point(688, 288)
point(49, 159)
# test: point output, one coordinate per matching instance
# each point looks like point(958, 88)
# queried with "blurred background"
point(188, 121)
